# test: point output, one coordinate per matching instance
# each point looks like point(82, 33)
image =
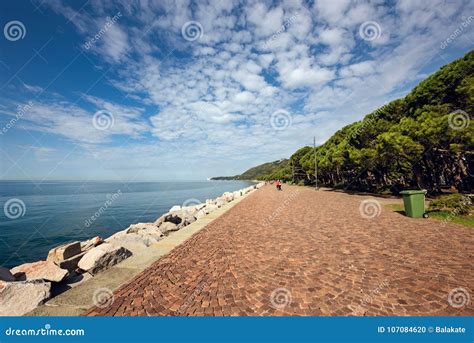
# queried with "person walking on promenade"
point(278, 185)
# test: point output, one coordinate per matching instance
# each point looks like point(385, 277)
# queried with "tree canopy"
point(424, 140)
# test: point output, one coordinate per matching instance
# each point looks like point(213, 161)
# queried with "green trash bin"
point(414, 202)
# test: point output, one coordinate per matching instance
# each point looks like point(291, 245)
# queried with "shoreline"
point(25, 287)
point(69, 211)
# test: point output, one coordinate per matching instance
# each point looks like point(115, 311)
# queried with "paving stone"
point(306, 252)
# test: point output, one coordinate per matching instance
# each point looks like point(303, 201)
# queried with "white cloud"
point(212, 98)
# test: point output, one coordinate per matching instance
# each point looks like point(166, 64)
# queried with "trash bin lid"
point(413, 191)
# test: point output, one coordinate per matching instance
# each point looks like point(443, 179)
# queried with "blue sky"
point(160, 90)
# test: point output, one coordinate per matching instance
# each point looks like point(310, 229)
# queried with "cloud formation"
point(215, 95)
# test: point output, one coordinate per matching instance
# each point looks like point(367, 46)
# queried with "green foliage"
point(406, 143)
point(457, 203)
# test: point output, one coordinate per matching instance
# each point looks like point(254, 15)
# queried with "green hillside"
point(424, 140)
point(258, 172)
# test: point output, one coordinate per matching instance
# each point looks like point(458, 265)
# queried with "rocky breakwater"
point(27, 286)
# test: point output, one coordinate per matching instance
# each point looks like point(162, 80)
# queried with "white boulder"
point(63, 252)
point(90, 243)
point(103, 257)
point(221, 201)
point(134, 242)
point(168, 227)
point(45, 270)
point(135, 228)
point(19, 298)
point(228, 196)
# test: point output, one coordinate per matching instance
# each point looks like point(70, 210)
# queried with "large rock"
point(168, 227)
point(45, 270)
point(201, 213)
point(5, 275)
point(18, 298)
point(64, 252)
point(117, 235)
point(174, 218)
point(71, 263)
point(135, 242)
point(221, 201)
point(188, 219)
point(103, 257)
point(228, 196)
point(237, 194)
point(91, 243)
point(160, 220)
point(211, 208)
point(153, 232)
point(134, 228)
point(189, 210)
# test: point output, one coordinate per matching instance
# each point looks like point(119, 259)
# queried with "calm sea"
point(39, 216)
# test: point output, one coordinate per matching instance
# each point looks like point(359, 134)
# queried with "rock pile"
point(25, 287)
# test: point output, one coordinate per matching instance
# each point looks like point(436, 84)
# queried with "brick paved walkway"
point(302, 252)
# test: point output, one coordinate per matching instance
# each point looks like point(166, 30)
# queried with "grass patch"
point(462, 220)
point(466, 220)
point(396, 208)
